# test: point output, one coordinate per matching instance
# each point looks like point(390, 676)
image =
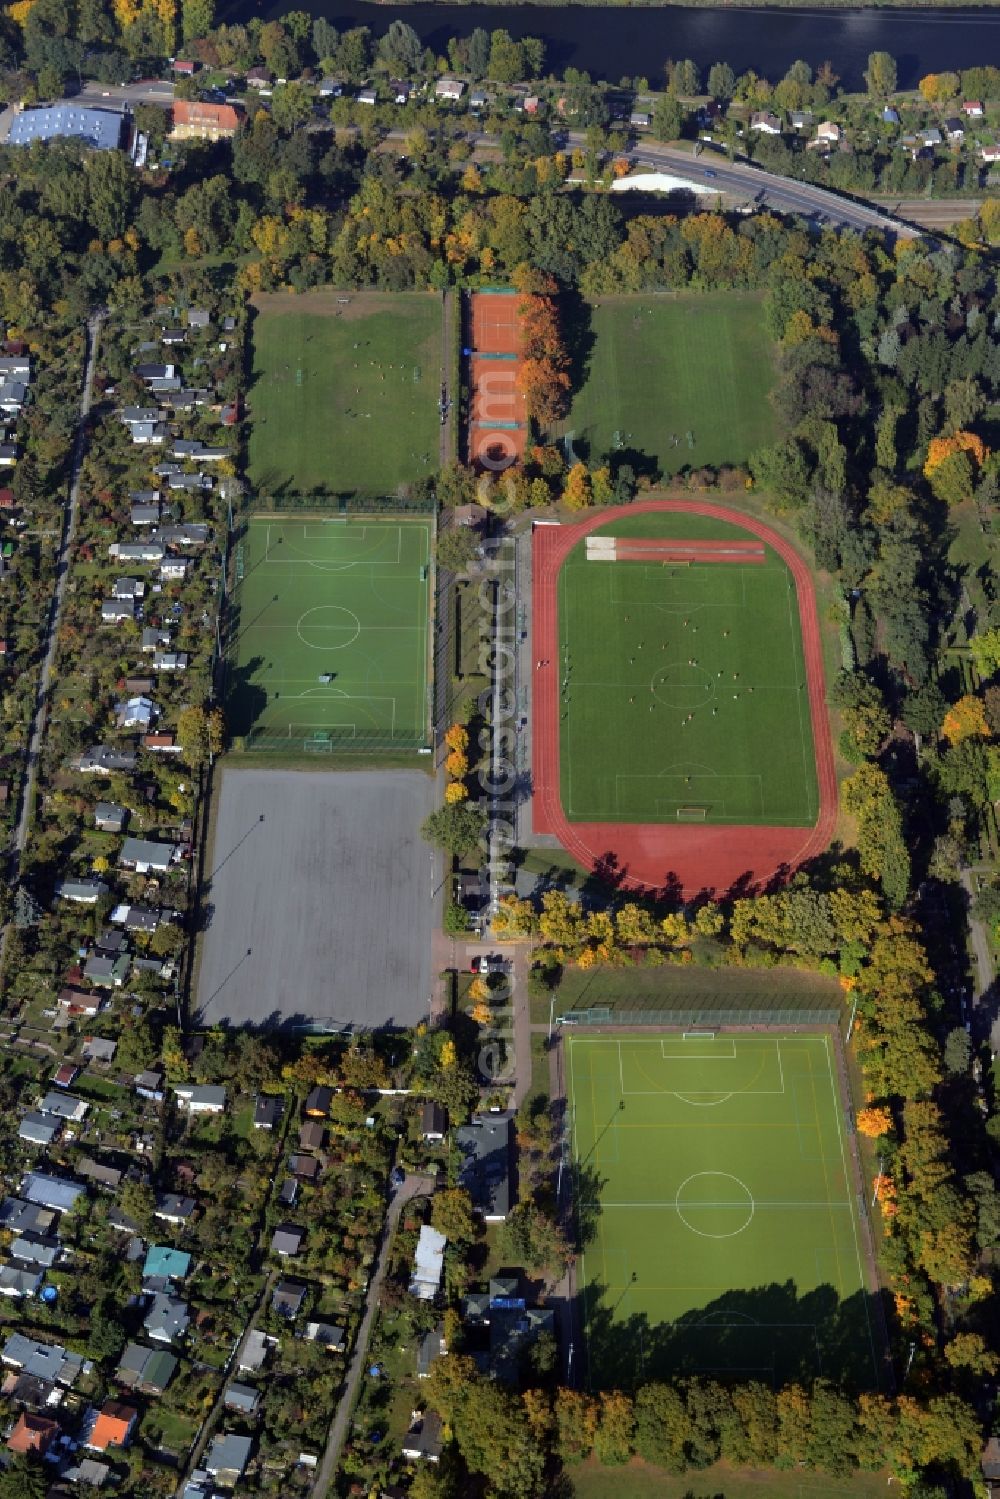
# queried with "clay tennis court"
point(498, 425)
point(655, 856)
point(496, 322)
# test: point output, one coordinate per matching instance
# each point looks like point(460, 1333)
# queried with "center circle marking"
point(681, 685)
point(719, 1193)
point(328, 627)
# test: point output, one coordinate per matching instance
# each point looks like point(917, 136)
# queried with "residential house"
point(318, 1103)
point(36, 1249)
point(115, 611)
point(79, 1003)
point(171, 1207)
point(137, 713)
point(368, 96)
point(65, 1075)
point(149, 1084)
point(146, 514)
point(254, 1352)
point(106, 972)
point(890, 116)
point(64, 1106)
point(484, 1145)
point(432, 1346)
point(306, 1167)
point(170, 660)
point(136, 918)
point(312, 1135)
point(101, 1174)
point(640, 119)
point(98, 1049)
point(17, 1283)
point(48, 1361)
point(932, 137)
point(111, 1426)
point(227, 1458)
point(329, 1335)
point(106, 760)
point(428, 1264)
point(765, 123)
point(172, 336)
point(33, 1434)
point(400, 91)
point(800, 119)
point(8, 454)
point(110, 818)
point(433, 1122)
point(266, 1111)
point(329, 88)
point(148, 1370)
point(288, 1195)
point(154, 640)
point(167, 1318)
point(989, 153)
point(423, 1441)
point(38, 1130)
point(286, 1241)
point(478, 99)
point(200, 1098)
point(146, 856)
point(241, 1397)
point(259, 78)
point(954, 129)
point(288, 1297)
point(137, 551)
point(166, 1263)
point(161, 744)
point(828, 133)
point(199, 317)
point(82, 892)
point(193, 119)
point(52, 1192)
point(450, 89)
point(973, 109)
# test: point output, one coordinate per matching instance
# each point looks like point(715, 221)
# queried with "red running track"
point(657, 856)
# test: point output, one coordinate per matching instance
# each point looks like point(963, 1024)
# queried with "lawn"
point(683, 691)
point(681, 380)
point(344, 392)
point(639, 1481)
point(328, 642)
point(716, 1201)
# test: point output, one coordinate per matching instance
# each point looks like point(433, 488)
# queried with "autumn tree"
point(874, 1122)
point(965, 719)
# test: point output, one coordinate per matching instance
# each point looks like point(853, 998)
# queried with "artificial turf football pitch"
point(338, 599)
point(682, 688)
point(718, 1211)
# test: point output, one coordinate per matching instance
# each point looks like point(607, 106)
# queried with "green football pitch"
point(718, 1209)
point(683, 688)
point(682, 379)
point(329, 636)
point(345, 391)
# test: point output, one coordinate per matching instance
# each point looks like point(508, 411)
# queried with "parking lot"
point(317, 901)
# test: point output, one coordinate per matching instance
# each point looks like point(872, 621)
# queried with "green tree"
point(668, 118)
point(456, 548)
point(451, 1215)
point(880, 75)
point(458, 828)
point(197, 18)
point(721, 81)
point(615, 1429)
point(401, 49)
point(532, 1237)
point(24, 1478)
point(662, 1427)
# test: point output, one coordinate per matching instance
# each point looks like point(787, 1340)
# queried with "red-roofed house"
point(973, 108)
point(7, 501)
point(197, 121)
point(33, 1434)
point(113, 1427)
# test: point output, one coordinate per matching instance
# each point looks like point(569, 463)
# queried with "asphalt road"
point(109, 95)
point(781, 193)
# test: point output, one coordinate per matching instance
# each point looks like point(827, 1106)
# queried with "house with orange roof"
point(198, 121)
point(33, 1434)
point(111, 1426)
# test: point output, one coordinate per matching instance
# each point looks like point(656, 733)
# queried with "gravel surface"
point(317, 900)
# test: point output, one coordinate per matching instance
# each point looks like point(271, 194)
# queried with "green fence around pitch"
point(338, 504)
point(331, 742)
point(699, 1017)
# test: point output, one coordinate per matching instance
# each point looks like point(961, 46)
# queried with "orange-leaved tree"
point(966, 719)
point(941, 448)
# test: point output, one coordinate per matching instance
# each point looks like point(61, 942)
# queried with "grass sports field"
point(665, 367)
point(685, 695)
point(343, 599)
point(718, 1210)
point(345, 392)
